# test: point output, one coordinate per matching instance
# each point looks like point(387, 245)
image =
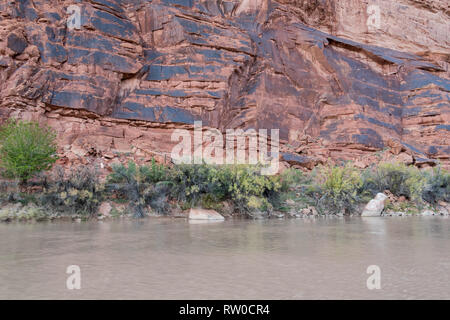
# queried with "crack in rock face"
point(341, 80)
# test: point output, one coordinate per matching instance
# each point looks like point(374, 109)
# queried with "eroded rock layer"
point(338, 81)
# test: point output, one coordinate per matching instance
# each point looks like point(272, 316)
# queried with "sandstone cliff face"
point(340, 79)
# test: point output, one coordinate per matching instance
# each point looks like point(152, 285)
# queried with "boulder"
point(404, 158)
point(302, 161)
point(105, 209)
point(204, 214)
point(375, 206)
point(290, 202)
point(277, 215)
point(17, 43)
point(309, 211)
point(395, 146)
point(427, 213)
point(443, 208)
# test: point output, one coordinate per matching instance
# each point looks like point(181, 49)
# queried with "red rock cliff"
point(340, 79)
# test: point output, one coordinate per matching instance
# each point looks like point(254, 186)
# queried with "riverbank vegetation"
point(156, 189)
point(33, 192)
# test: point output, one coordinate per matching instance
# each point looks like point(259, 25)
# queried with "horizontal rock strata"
point(335, 85)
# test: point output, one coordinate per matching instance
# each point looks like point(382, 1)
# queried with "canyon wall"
point(341, 79)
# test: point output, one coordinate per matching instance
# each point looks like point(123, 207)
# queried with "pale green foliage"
point(209, 201)
point(336, 189)
point(293, 178)
point(155, 172)
point(141, 186)
point(400, 179)
point(80, 192)
point(295, 186)
point(404, 206)
point(338, 180)
point(144, 174)
point(238, 183)
point(249, 189)
point(23, 213)
point(437, 186)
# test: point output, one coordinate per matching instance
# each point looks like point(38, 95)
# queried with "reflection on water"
point(274, 259)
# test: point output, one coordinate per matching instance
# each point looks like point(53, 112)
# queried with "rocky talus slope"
point(341, 79)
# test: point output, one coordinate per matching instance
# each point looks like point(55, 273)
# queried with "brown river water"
point(236, 259)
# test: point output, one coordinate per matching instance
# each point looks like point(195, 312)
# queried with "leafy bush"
point(210, 184)
point(437, 186)
point(398, 178)
point(295, 188)
point(157, 196)
point(26, 149)
point(145, 174)
point(336, 189)
point(141, 186)
point(190, 182)
point(293, 178)
point(249, 190)
point(155, 172)
point(78, 193)
point(209, 201)
point(403, 206)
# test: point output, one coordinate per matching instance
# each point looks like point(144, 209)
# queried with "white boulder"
point(375, 206)
point(427, 213)
point(204, 214)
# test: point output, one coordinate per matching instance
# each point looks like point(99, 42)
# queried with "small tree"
point(26, 149)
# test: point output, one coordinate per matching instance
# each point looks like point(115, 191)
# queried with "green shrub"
point(293, 178)
point(190, 182)
point(398, 178)
point(257, 204)
point(155, 172)
point(249, 190)
point(23, 213)
point(295, 188)
point(78, 193)
point(405, 206)
point(157, 196)
point(208, 201)
point(336, 189)
point(128, 182)
point(141, 186)
point(437, 186)
point(211, 184)
point(144, 174)
point(26, 149)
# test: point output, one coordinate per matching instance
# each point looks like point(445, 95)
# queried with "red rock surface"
point(335, 86)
